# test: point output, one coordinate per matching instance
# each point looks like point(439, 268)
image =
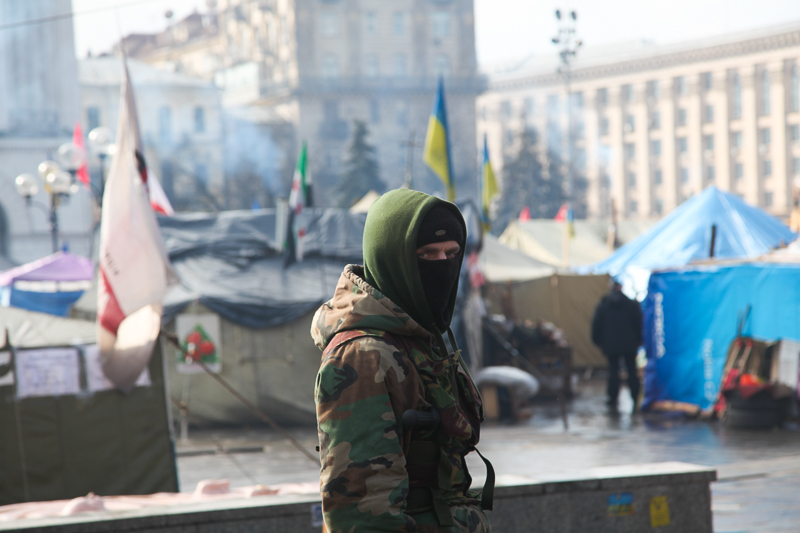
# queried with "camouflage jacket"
point(377, 363)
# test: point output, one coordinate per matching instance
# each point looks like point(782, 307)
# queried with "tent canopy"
point(231, 263)
point(48, 285)
point(684, 235)
point(691, 316)
point(543, 239)
point(501, 263)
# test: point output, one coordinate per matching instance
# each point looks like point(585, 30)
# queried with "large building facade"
point(650, 126)
point(39, 106)
point(321, 64)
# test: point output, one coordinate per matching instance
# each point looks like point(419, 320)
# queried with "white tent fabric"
point(501, 263)
point(27, 329)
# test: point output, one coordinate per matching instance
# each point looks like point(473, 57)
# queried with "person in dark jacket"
point(617, 331)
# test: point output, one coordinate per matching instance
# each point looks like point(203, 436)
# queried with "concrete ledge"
point(664, 497)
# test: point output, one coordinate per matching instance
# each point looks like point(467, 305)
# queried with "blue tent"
point(684, 236)
point(691, 317)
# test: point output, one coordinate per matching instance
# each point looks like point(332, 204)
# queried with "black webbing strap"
point(487, 495)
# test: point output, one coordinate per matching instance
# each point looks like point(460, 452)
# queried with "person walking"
point(617, 331)
point(397, 412)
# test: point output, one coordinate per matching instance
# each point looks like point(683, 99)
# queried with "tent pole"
point(713, 240)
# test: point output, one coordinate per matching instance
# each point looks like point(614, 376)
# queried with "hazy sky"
point(506, 30)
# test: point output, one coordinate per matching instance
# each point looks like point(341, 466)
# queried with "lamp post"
point(100, 142)
point(58, 183)
point(568, 45)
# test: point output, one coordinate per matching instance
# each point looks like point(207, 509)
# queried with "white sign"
point(200, 338)
point(47, 372)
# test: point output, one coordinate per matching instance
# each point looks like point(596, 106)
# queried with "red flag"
point(77, 139)
point(134, 269)
point(561, 216)
point(525, 214)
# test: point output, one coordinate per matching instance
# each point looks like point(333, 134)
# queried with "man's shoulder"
point(371, 349)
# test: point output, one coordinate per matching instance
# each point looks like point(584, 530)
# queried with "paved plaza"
point(759, 471)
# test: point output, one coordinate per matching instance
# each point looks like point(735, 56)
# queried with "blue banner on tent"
point(691, 317)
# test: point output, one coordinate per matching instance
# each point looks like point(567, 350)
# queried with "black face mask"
point(439, 280)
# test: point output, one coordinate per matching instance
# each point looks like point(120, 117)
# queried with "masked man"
point(397, 412)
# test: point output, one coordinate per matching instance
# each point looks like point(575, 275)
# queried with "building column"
point(643, 190)
point(616, 164)
point(591, 135)
point(669, 168)
point(722, 136)
point(781, 182)
point(749, 122)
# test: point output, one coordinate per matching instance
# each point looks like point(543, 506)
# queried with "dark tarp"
point(231, 263)
point(108, 442)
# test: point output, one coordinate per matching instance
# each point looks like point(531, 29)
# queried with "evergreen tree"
point(525, 183)
point(361, 169)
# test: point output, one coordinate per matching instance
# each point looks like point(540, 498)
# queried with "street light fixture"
point(58, 183)
point(568, 47)
point(100, 142)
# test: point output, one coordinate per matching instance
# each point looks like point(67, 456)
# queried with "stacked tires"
point(759, 411)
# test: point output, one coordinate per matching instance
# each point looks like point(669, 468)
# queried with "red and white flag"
point(77, 139)
point(134, 268)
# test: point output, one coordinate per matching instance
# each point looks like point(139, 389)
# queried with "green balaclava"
point(390, 246)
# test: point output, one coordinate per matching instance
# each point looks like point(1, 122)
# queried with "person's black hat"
point(439, 225)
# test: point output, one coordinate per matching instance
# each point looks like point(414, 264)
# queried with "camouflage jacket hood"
point(358, 305)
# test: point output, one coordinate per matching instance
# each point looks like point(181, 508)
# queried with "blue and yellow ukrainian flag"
point(488, 186)
point(437, 145)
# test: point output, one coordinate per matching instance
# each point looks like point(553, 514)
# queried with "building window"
point(602, 96)
point(736, 97)
point(683, 146)
point(684, 175)
point(654, 89)
point(794, 133)
point(92, 118)
point(655, 121)
point(634, 207)
point(765, 92)
point(709, 113)
point(371, 69)
point(199, 119)
point(442, 65)
point(580, 158)
point(374, 111)
point(707, 80)
point(330, 111)
point(165, 124)
point(577, 100)
point(796, 165)
point(578, 129)
point(530, 107)
point(627, 94)
point(630, 151)
point(370, 23)
point(736, 139)
point(632, 179)
point(329, 24)
point(630, 124)
point(766, 136)
point(711, 174)
point(603, 126)
point(682, 116)
point(657, 177)
point(201, 174)
point(400, 69)
point(655, 148)
point(510, 137)
point(401, 118)
point(505, 109)
point(330, 66)
point(399, 23)
point(738, 171)
point(659, 206)
point(440, 24)
point(767, 199)
point(767, 166)
point(794, 89)
point(681, 86)
point(708, 143)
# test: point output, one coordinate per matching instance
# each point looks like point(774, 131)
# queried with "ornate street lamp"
point(58, 183)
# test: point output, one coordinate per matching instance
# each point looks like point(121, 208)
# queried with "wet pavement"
point(759, 471)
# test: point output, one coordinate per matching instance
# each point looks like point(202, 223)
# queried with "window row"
point(331, 24)
point(373, 67)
